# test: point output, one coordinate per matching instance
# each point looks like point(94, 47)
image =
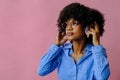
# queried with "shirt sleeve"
point(49, 61)
point(101, 65)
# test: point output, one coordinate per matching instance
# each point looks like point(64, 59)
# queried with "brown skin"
point(75, 33)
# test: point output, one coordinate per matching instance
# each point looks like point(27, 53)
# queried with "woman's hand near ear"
point(95, 34)
point(61, 38)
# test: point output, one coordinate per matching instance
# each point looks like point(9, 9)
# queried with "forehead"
point(70, 20)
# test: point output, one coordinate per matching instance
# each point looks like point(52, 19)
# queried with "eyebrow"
point(71, 21)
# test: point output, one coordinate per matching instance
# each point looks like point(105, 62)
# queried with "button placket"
point(74, 73)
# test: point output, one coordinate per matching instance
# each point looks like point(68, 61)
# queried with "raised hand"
point(61, 38)
point(95, 33)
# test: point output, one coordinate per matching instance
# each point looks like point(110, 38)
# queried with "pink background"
point(28, 27)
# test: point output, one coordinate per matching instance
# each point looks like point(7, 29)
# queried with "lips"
point(69, 34)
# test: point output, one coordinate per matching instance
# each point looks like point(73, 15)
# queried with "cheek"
point(79, 33)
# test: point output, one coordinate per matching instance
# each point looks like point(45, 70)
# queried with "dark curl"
point(84, 15)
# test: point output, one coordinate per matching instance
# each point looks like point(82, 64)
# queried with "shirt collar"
point(88, 47)
point(69, 46)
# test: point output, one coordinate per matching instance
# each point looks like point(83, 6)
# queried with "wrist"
point(96, 40)
point(96, 44)
point(58, 44)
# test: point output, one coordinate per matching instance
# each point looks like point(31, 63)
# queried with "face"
point(74, 30)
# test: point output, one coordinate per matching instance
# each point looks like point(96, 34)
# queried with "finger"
point(92, 30)
point(88, 33)
point(96, 27)
point(63, 33)
point(95, 30)
point(64, 40)
point(58, 36)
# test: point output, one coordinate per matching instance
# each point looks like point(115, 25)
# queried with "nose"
point(69, 27)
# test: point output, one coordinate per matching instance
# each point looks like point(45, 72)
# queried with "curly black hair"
point(84, 15)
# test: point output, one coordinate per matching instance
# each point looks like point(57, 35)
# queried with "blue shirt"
point(93, 65)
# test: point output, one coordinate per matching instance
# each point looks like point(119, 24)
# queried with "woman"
point(83, 57)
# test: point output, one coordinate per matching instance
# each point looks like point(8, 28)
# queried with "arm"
point(49, 61)
point(52, 58)
point(101, 65)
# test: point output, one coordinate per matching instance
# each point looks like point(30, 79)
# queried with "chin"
point(70, 39)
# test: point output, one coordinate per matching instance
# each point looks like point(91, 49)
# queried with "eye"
point(75, 23)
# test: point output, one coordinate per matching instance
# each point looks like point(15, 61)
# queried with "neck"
point(79, 46)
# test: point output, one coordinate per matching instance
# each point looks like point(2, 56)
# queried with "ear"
point(86, 30)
